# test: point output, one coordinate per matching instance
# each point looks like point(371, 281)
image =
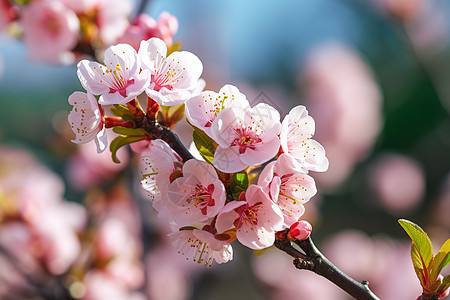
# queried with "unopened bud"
point(300, 230)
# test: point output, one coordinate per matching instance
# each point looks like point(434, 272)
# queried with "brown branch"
point(314, 260)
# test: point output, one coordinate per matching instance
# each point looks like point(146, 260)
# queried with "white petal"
point(227, 160)
point(153, 53)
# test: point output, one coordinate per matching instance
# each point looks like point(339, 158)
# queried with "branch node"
point(303, 264)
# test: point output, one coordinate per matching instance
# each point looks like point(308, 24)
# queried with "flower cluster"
point(126, 74)
point(214, 200)
point(60, 31)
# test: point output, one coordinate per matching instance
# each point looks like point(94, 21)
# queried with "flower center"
point(247, 214)
point(167, 75)
point(245, 139)
point(202, 197)
point(117, 80)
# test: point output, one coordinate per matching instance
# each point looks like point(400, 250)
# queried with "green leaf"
point(176, 113)
point(204, 144)
point(423, 255)
point(238, 184)
point(441, 260)
point(130, 131)
point(122, 111)
point(121, 141)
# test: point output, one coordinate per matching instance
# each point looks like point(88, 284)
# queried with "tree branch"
point(314, 260)
point(158, 131)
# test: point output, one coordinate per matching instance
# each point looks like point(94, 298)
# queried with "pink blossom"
point(274, 268)
point(287, 187)
point(398, 181)
point(86, 120)
point(157, 165)
point(246, 137)
point(345, 100)
point(201, 246)
point(167, 269)
point(6, 14)
point(119, 80)
point(300, 230)
point(50, 31)
point(82, 6)
point(87, 168)
point(391, 277)
point(112, 19)
point(202, 110)
point(297, 129)
point(255, 217)
point(406, 10)
point(98, 285)
point(112, 239)
point(145, 27)
point(198, 194)
point(175, 78)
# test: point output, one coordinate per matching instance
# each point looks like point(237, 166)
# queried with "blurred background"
point(374, 74)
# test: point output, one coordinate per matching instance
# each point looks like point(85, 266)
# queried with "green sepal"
point(122, 111)
point(204, 144)
point(238, 184)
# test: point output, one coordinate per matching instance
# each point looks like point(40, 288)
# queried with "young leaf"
point(423, 256)
point(204, 144)
point(129, 131)
point(238, 183)
point(122, 111)
point(121, 141)
point(441, 260)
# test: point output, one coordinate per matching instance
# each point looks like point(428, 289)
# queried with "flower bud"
point(300, 230)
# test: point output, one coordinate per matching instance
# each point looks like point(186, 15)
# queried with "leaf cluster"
point(427, 266)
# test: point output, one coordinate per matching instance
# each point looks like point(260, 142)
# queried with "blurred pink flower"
point(145, 27)
point(275, 269)
point(82, 6)
point(99, 286)
point(405, 10)
point(383, 262)
point(86, 168)
point(398, 181)
point(346, 102)
point(45, 226)
point(112, 19)
point(50, 31)
point(117, 245)
point(6, 14)
point(167, 269)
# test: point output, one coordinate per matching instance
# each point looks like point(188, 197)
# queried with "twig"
point(314, 260)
